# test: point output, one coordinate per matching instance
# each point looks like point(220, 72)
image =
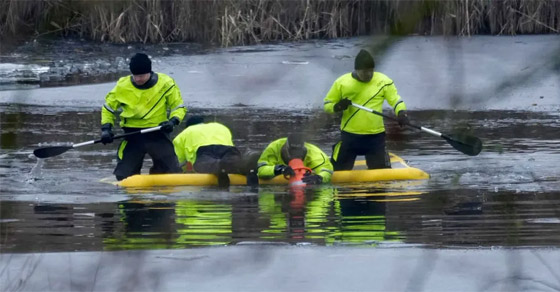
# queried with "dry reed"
point(242, 22)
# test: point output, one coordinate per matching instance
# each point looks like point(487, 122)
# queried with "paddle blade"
point(467, 144)
point(51, 151)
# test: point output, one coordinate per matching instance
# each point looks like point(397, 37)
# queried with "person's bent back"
point(209, 148)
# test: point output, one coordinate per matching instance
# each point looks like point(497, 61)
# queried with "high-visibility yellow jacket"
point(193, 137)
point(315, 159)
point(143, 108)
point(370, 94)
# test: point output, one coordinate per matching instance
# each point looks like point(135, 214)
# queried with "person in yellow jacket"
point(363, 133)
point(276, 156)
point(142, 101)
point(209, 148)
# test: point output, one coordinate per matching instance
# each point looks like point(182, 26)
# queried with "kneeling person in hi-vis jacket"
point(363, 133)
point(209, 148)
point(143, 100)
point(276, 157)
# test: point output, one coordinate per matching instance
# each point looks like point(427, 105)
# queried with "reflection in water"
point(203, 223)
point(145, 225)
point(364, 221)
point(310, 216)
point(318, 216)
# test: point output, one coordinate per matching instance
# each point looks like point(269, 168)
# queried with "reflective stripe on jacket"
point(315, 159)
point(370, 94)
point(193, 137)
point(143, 108)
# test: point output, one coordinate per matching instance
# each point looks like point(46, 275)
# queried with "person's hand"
point(107, 133)
point(312, 179)
point(403, 118)
point(342, 104)
point(285, 170)
point(168, 126)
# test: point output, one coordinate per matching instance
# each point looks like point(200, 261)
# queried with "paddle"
point(51, 151)
point(467, 144)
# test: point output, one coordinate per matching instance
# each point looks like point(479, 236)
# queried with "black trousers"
point(215, 158)
point(131, 152)
point(352, 145)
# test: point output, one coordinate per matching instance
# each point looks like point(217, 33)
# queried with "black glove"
point(107, 133)
point(285, 170)
point(167, 126)
point(312, 179)
point(403, 118)
point(342, 104)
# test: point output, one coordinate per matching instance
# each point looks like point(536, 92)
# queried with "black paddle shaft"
point(51, 151)
point(384, 115)
point(467, 144)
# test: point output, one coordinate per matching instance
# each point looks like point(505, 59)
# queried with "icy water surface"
point(509, 195)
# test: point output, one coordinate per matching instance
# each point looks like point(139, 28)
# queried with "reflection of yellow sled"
point(399, 171)
point(404, 196)
point(369, 195)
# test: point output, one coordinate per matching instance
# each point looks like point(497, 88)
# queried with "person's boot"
point(252, 179)
point(223, 180)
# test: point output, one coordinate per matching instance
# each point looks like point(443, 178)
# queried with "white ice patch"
point(295, 62)
point(544, 220)
point(10, 72)
point(3, 221)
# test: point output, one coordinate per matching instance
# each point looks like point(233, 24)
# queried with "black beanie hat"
point(295, 140)
point(364, 60)
point(194, 120)
point(294, 147)
point(140, 64)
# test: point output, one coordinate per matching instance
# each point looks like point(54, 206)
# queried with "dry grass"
point(241, 22)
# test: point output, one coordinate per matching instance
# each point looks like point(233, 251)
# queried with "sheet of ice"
point(476, 73)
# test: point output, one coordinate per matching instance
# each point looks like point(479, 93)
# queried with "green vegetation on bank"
point(242, 22)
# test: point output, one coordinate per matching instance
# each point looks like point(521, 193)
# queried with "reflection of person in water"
point(148, 216)
point(145, 217)
point(165, 224)
point(286, 214)
point(302, 214)
point(363, 221)
point(203, 223)
point(296, 212)
point(324, 218)
point(318, 215)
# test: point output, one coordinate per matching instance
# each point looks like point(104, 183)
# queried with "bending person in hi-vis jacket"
point(276, 157)
point(209, 148)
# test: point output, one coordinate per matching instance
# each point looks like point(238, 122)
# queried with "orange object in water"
point(300, 170)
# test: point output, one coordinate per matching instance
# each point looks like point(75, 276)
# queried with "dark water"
point(509, 195)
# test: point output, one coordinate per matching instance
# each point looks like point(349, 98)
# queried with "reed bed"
point(243, 22)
